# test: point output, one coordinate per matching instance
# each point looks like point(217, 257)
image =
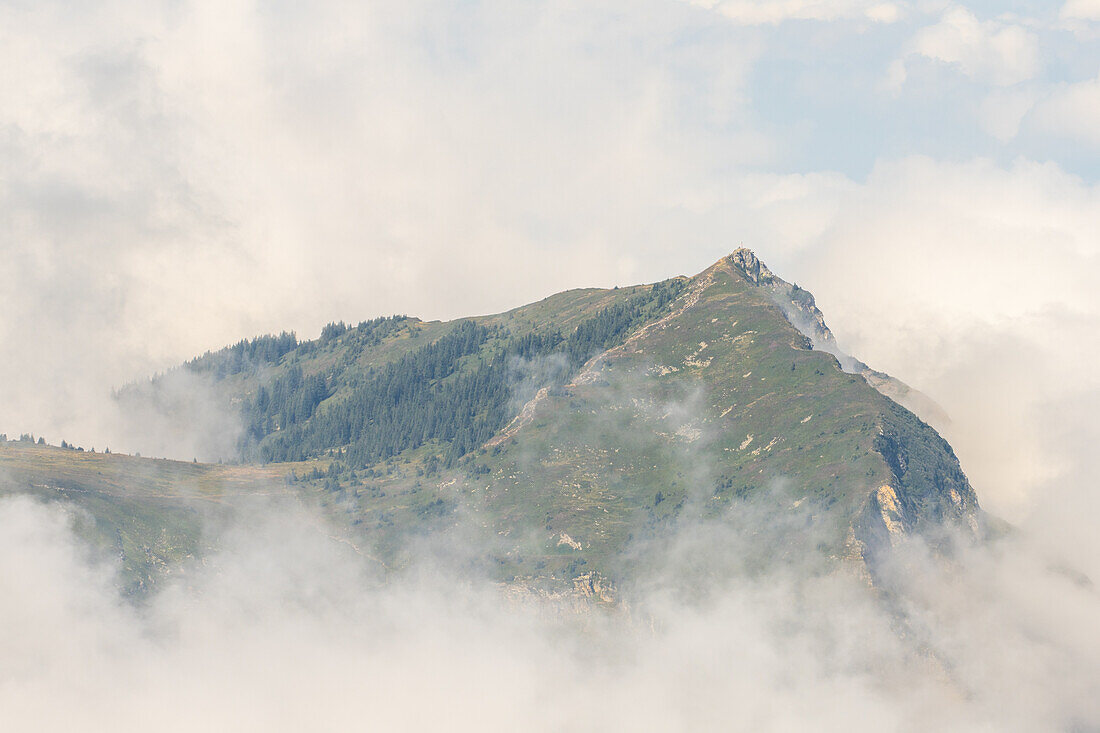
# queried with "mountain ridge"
point(573, 434)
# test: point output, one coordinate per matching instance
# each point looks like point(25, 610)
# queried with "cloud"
point(1068, 111)
point(1003, 110)
point(1081, 10)
point(1071, 111)
point(759, 12)
point(285, 629)
point(991, 51)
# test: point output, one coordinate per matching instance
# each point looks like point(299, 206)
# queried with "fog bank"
point(285, 629)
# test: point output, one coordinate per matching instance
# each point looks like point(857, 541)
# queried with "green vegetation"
point(148, 513)
point(434, 393)
point(402, 406)
point(245, 355)
point(718, 412)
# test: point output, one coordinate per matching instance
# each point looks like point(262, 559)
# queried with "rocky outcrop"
point(751, 267)
point(928, 496)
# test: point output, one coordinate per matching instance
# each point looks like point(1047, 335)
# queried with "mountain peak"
point(745, 260)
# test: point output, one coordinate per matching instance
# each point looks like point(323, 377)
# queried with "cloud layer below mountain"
point(285, 629)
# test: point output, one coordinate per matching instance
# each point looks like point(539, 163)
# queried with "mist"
point(285, 628)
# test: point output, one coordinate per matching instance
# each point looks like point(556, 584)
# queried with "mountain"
point(565, 442)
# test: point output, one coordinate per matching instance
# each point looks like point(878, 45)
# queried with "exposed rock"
point(593, 586)
point(564, 539)
point(889, 509)
point(751, 267)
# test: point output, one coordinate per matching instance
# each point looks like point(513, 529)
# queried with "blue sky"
point(825, 88)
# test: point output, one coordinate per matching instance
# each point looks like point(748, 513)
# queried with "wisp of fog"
point(286, 628)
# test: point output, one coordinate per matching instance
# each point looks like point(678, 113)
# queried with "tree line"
point(456, 391)
point(245, 355)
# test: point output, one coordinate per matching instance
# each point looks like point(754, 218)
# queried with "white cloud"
point(761, 12)
point(1002, 111)
point(1081, 10)
point(1071, 111)
point(991, 51)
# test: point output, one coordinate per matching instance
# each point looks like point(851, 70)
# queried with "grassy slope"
point(672, 414)
point(148, 512)
point(720, 406)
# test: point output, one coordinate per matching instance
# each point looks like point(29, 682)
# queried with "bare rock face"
point(749, 264)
